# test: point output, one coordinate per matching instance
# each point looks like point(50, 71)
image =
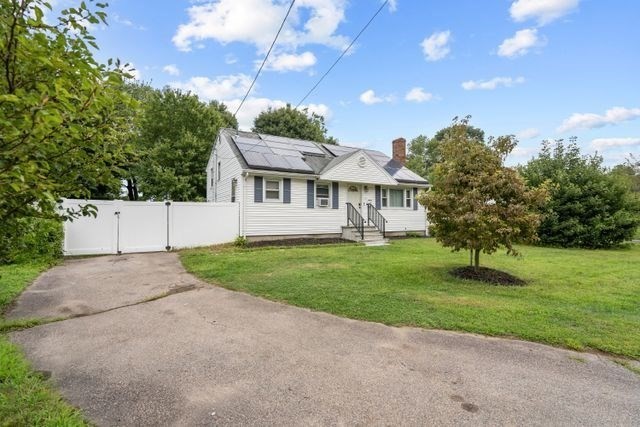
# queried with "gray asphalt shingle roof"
point(267, 152)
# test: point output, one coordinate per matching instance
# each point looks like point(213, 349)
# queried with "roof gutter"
point(279, 173)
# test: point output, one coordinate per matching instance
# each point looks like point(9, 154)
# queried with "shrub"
point(26, 239)
point(589, 206)
point(241, 242)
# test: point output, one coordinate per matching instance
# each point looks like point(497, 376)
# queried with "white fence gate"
point(123, 227)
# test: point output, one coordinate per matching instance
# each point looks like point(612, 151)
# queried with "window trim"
point(234, 189)
point(385, 198)
point(329, 190)
point(264, 190)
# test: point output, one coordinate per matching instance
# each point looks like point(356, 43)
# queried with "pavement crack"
point(21, 324)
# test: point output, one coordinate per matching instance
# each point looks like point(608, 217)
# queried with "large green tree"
point(424, 152)
point(418, 155)
point(61, 115)
point(589, 207)
point(630, 171)
point(174, 137)
point(293, 123)
point(476, 203)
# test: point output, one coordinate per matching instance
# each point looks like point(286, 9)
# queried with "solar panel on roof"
point(253, 148)
point(256, 160)
point(279, 153)
point(276, 161)
point(313, 149)
point(285, 140)
point(338, 150)
point(281, 145)
point(296, 163)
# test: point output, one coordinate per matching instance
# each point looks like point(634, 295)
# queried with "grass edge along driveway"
point(579, 299)
point(26, 398)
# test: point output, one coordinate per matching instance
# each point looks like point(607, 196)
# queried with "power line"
point(343, 53)
point(265, 58)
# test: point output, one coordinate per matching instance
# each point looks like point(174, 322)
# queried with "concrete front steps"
point(372, 237)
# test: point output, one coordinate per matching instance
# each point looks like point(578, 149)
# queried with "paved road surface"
point(209, 356)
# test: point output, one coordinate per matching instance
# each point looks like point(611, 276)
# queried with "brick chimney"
point(399, 148)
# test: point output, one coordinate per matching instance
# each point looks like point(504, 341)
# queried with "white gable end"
point(360, 168)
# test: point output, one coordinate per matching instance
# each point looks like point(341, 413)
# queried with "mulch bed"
point(296, 242)
point(487, 275)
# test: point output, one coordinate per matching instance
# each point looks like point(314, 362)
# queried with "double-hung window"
point(272, 190)
point(322, 195)
point(396, 198)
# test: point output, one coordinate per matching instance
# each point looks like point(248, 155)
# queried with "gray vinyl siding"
point(278, 218)
point(230, 168)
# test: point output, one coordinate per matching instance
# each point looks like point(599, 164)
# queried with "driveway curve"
point(154, 346)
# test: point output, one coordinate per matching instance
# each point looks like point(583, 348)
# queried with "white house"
point(290, 188)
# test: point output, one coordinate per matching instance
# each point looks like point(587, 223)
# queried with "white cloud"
point(528, 133)
point(369, 97)
point(591, 120)
point(290, 62)
point(544, 11)
point(520, 43)
point(230, 90)
point(417, 94)
point(130, 68)
point(254, 106)
point(230, 59)
point(436, 46)
point(523, 151)
point(492, 84)
point(171, 69)
point(256, 21)
point(604, 143)
point(127, 23)
point(219, 88)
point(393, 5)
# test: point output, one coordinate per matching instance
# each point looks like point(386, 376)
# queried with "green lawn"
point(575, 298)
point(26, 399)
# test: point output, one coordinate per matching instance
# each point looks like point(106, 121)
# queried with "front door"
point(354, 197)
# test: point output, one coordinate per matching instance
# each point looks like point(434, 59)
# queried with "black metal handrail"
point(355, 218)
point(374, 216)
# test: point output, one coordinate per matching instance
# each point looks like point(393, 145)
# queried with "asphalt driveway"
point(154, 346)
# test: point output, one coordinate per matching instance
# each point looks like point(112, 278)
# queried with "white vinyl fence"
point(122, 226)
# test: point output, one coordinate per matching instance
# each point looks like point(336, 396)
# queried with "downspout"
point(214, 174)
point(243, 212)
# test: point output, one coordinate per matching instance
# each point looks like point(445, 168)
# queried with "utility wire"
point(343, 53)
point(266, 57)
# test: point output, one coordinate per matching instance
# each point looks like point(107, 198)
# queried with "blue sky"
point(535, 68)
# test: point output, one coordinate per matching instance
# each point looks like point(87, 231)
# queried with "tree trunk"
point(132, 189)
point(135, 189)
point(477, 258)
